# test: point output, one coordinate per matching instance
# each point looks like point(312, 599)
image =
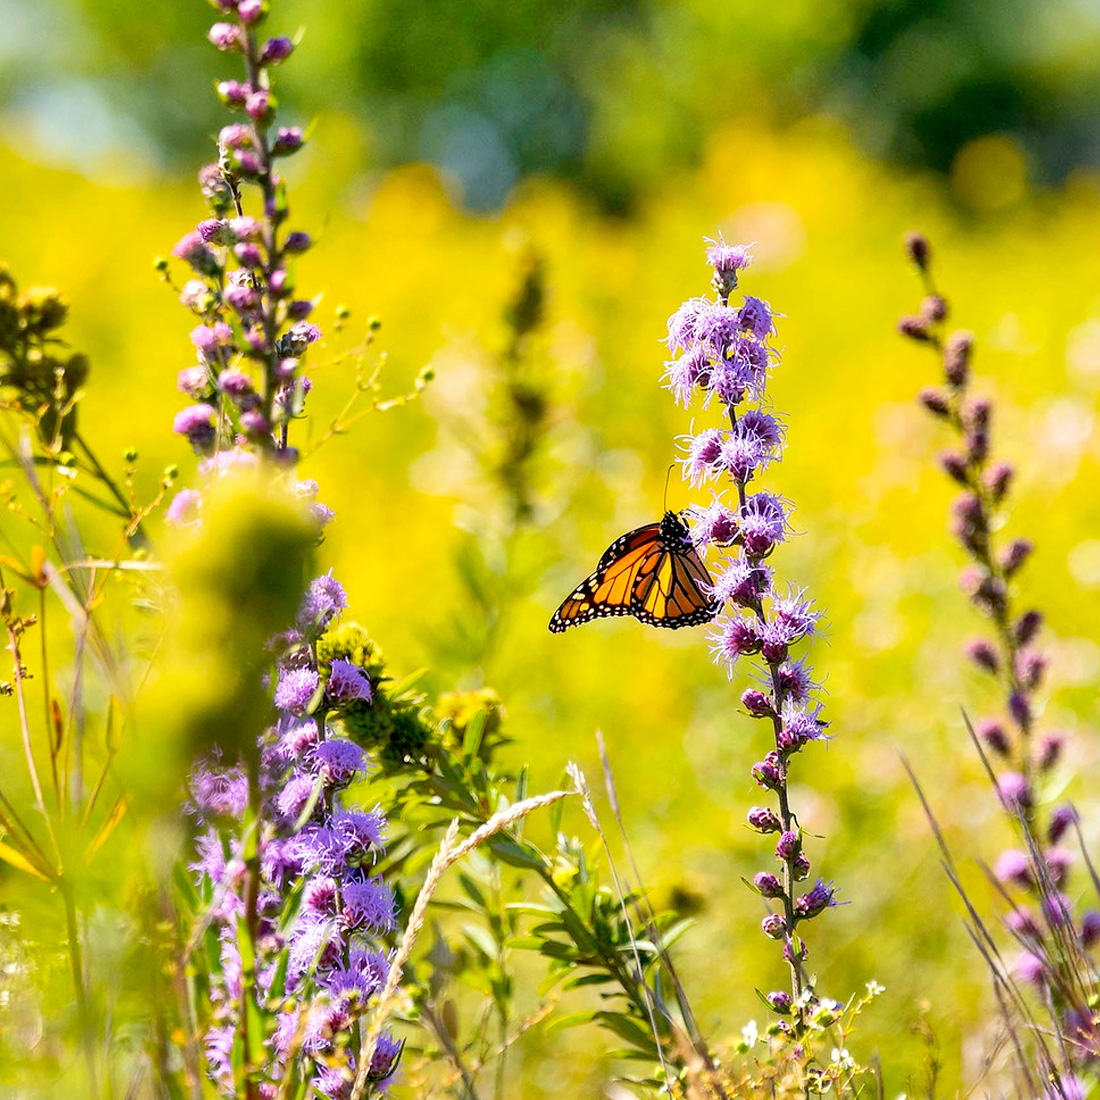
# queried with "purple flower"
point(684, 374)
point(347, 682)
point(363, 834)
point(795, 681)
point(296, 689)
point(742, 582)
point(339, 761)
point(788, 846)
point(299, 241)
point(763, 523)
point(755, 316)
point(715, 525)
point(768, 884)
point(324, 599)
point(1014, 791)
point(192, 249)
point(1014, 866)
point(704, 453)
point(184, 509)
point(794, 616)
point(368, 902)
point(735, 637)
point(773, 926)
point(682, 324)
point(295, 796)
point(727, 259)
point(197, 423)
point(817, 900)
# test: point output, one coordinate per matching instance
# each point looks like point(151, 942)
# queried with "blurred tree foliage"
point(611, 93)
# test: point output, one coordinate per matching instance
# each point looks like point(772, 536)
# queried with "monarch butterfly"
point(653, 573)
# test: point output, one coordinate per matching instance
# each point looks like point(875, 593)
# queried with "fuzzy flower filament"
point(722, 352)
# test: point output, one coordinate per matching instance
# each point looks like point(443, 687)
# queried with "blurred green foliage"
point(612, 93)
point(1022, 269)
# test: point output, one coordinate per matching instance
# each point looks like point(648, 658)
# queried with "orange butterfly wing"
point(653, 573)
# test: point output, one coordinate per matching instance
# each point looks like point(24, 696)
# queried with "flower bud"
point(1015, 554)
point(993, 734)
point(768, 884)
point(918, 249)
point(764, 820)
point(226, 36)
point(773, 926)
point(956, 358)
point(297, 241)
point(1061, 819)
point(935, 402)
point(1050, 751)
point(955, 466)
point(1027, 626)
point(1019, 706)
point(1023, 923)
point(933, 309)
point(788, 846)
point(1090, 928)
point(276, 49)
point(998, 479)
point(800, 867)
point(757, 702)
point(982, 653)
point(766, 772)
point(779, 1002)
point(915, 328)
point(1014, 792)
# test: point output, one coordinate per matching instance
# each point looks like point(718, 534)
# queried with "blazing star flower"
point(721, 351)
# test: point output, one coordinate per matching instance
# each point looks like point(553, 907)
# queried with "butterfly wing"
point(673, 591)
point(610, 589)
point(672, 587)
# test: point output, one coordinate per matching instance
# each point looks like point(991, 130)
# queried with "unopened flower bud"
point(956, 358)
point(993, 734)
point(977, 413)
point(773, 926)
point(1024, 924)
point(768, 884)
point(933, 308)
point(800, 867)
point(915, 328)
point(1019, 706)
point(779, 1002)
point(1090, 928)
point(298, 241)
point(758, 703)
point(977, 445)
point(955, 466)
point(1014, 556)
point(788, 846)
point(982, 653)
point(1050, 751)
point(766, 772)
point(998, 479)
point(764, 820)
point(1061, 818)
point(935, 402)
point(1030, 667)
point(276, 49)
point(258, 105)
point(226, 36)
point(918, 249)
point(251, 11)
point(1027, 626)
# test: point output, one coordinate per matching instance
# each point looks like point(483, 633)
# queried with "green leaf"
point(515, 855)
point(481, 939)
point(630, 1030)
point(570, 1019)
point(475, 730)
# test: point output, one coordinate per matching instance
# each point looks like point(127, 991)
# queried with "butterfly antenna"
point(668, 478)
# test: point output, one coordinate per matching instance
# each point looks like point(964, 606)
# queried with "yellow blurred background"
point(1020, 265)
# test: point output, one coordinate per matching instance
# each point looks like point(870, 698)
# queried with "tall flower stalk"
point(722, 354)
point(284, 866)
point(1055, 942)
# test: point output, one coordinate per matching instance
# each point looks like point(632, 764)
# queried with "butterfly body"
point(653, 573)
